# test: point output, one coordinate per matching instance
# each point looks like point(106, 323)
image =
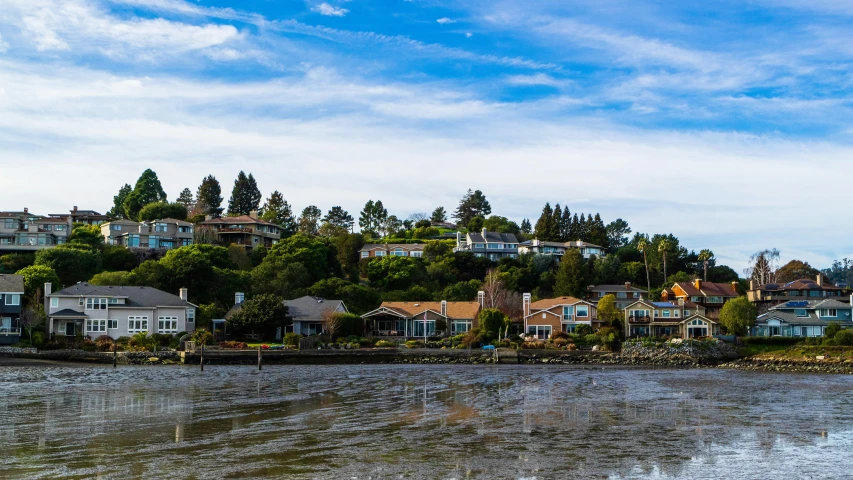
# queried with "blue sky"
point(724, 123)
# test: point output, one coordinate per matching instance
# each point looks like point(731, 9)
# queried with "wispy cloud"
point(445, 20)
point(329, 10)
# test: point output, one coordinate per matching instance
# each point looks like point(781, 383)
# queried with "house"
point(166, 234)
point(419, 319)
point(306, 312)
point(772, 294)
point(11, 295)
point(561, 314)
point(372, 250)
point(246, 230)
point(558, 249)
point(117, 311)
point(625, 294)
point(492, 245)
point(803, 318)
point(25, 231)
point(684, 319)
point(710, 295)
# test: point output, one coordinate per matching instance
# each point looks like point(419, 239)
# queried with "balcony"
point(236, 230)
point(633, 319)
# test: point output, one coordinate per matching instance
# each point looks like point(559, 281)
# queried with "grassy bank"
point(799, 352)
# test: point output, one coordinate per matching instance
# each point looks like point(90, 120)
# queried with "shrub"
point(202, 337)
point(161, 339)
point(365, 343)
point(571, 346)
point(234, 345)
point(832, 329)
point(844, 337)
point(531, 345)
point(38, 339)
point(291, 339)
point(560, 336)
point(104, 343)
point(414, 344)
point(583, 330)
point(87, 345)
point(141, 342)
point(383, 344)
point(561, 342)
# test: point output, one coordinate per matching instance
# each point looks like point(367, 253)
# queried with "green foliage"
point(147, 190)
point(276, 210)
point(35, 276)
point(357, 298)
point(492, 321)
point(473, 204)
point(309, 221)
point(118, 278)
point(738, 315)
point(142, 342)
point(261, 314)
point(475, 224)
point(609, 314)
point(185, 199)
point(337, 222)
point(438, 215)
point(394, 273)
point(88, 235)
point(844, 337)
point(770, 340)
point(239, 257)
point(496, 223)
point(583, 330)
point(245, 196)
point(295, 263)
point(679, 277)
point(384, 344)
point(349, 324)
point(117, 211)
point(291, 339)
point(12, 262)
point(209, 196)
point(71, 264)
point(116, 258)
point(202, 337)
point(162, 210)
point(832, 328)
point(372, 218)
point(572, 277)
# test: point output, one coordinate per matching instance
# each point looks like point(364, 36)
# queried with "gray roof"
point(135, 296)
point(11, 283)
point(810, 304)
point(616, 288)
point(492, 237)
point(791, 318)
point(302, 309)
point(68, 313)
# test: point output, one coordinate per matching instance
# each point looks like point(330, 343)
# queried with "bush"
point(38, 339)
point(202, 337)
point(291, 339)
point(583, 329)
point(365, 342)
point(161, 339)
point(234, 345)
point(561, 343)
point(104, 343)
point(383, 344)
point(832, 329)
point(844, 337)
point(141, 342)
point(414, 344)
point(88, 345)
point(560, 336)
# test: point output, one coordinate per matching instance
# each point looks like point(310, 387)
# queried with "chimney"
point(75, 208)
point(752, 284)
point(664, 295)
point(238, 298)
point(484, 232)
point(819, 279)
point(680, 301)
point(183, 294)
point(253, 214)
point(444, 308)
point(208, 217)
point(481, 298)
point(48, 289)
point(698, 284)
point(627, 285)
point(525, 302)
point(734, 286)
point(26, 210)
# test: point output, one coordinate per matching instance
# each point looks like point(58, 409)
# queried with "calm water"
point(422, 422)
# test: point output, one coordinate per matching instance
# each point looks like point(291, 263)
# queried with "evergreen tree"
point(581, 228)
point(276, 210)
point(337, 221)
point(372, 217)
point(438, 215)
point(556, 221)
point(543, 225)
point(118, 202)
point(309, 221)
point(245, 196)
point(572, 278)
point(186, 198)
point(574, 231)
point(598, 232)
point(473, 204)
point(525, 227)
point(209, 196)
point(566, 225)
point(147, 190)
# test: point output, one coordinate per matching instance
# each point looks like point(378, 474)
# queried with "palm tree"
point(663, 247)
point(705, 256)
point(642, 246)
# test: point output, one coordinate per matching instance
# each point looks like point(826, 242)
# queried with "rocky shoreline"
point(774, 364)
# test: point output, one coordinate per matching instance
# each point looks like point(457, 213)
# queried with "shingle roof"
point(461, 310)
point(391, 246)
point(311, 308)
point(547, 303)
point(800, 284)
point(68, 313)
point(11, 283)
point(172, 220)
point(793, 319)
point(615, 288)
point(239, 219)
point(709, 289)
point(493, 237)
point(135, 296)
point(811, 304)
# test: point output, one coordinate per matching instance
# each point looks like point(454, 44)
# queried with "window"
point(96, 326)
point(137, 324)
point(666, 313)
point(695, 299)
point(398, 252)
point(167, 325)
point(81, 301)
point(638, 313)
point(13, 299)
point(686, 312)
point(828, 312)
point(621, 294)
point(493, 257)
point(190, 315)
point(112, 301)
point(115, 227)
point(582, 311)
point(541, 332)
point(379, 253)
point(96, 304)
point(54, 302)
point(657, 313)
point(676, 313)
point(801, 312)
point(48, 227)
point(112, 324)
point(495, 246)
point(365, 254)
point(133, 240)
point(636, 294)
point(153, 241)
point(715, 299)
point(814, 293)
point(479, 245)
point(58, 228)
point(417, 254)
point(459, 326)
point(568, 313)
point(161, 227)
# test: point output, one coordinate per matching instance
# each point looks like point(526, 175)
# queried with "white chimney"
point(48, 289)
point(183, 294)
point(481, 299)
point(526, 304)
point(444, 308)
point(238, 298)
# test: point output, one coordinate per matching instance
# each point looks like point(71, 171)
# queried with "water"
point(413, 421)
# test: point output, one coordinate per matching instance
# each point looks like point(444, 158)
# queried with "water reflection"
point(421, 422)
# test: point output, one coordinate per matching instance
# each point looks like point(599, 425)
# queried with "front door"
point(69, 329)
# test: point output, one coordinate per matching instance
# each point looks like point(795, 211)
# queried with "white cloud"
point(469, 34)
point(329, 10)
point(445, 20)
point(536, 79)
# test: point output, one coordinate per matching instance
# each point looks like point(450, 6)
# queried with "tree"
point(147, 190)
point(438, 215)
point(35, 276)
point(492, 321)
point(795, 270)
point(161, 210)
point(295, 263)
point(117, 278)
point(88, 235)
point(358, 298)
point(390, 226)
point(118, 202)
point(71, 263)
point(337, 221)
point(473, 204)
point(476, 224)
point(763, 266)
point(186, 199)
point(394, 273)
point(525, 227)
point(617, 233)
point(609, 314)
point(276, 210)
point(493, 288)
point(245, 196)
point(32, 316)
point(663, 248)
point(209, 196)
point(204, 235)
point(572, 278)
point(12, 262)
point(372, 217)
point(262, 313)
point(705, 256)
point(642, 247)
point(309, 221)
point(117, 258)
point(544, 226)
point(738, 315)
point(496, 223)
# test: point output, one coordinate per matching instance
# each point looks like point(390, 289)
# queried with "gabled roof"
point(811, 304)
point(492, 237)
point(791, 318)
point(547, 303)
point(461, 310)
point(799, 284)
point(708, 289)
point(237, 220)
point(68, 313)
point(11, 283)
point(135, 296)
point(616, 288)
point(311, 308)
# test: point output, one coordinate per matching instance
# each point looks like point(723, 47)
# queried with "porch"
point(67, 323)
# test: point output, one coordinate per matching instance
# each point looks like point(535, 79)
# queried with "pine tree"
point(556, 221)
point(581, 228)
point(473, 204)
point(186, 198)
point(572, 278)
point(336, 222)
point(209, 196)
point(575, 230)
point(147, 190)
point(525, 227)
point(566, 226)
point(309, 221)
point(543, 225)
point(276, 210)
point(438, 215)
point(118, 202)
point(598, 232)
point(245, 196)
point(372, 217)
point(253, 194)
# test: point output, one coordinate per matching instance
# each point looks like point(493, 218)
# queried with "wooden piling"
point(115, 356)
point(260, 363)
point(201, 360)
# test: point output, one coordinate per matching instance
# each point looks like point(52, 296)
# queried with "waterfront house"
point(165, 234)
point(561, 314)
point(11, 298)
point(558, 249)
point(248, 231)
point(421, 319)
point(766, 296)
point(803, 318)
point(492, 245)
point(117, 311)
point(373, 250)
point(683, 319)
point(709, 295)
point(307, 313)
point(625, 294)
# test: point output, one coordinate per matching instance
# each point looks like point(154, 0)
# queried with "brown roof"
point(800, 284)
point(454, 309)
point(708, 289)
point(240, 219)
point(547, 303)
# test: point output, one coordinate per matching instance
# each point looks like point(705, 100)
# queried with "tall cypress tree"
point(543, 225)
point(276, 210)
point(574, 231)
point(556, 221)
point(209, 195)
point(118, 202)
point(245, 196)
point(253, 194)
point(566, 225)
point(581, 230)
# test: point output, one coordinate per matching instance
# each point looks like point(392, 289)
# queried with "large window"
point(621, 294)
point(801, 312)
point(582, 311)
point(666, 313)
point(638, 313)
point(161, 227)
point(417, 254)
point(167, 325)
point(115, 227)
point(495, 246)
point(365, 254)
point(13, 299)
point(398, 252)
point(460, 326)
point(54, 302)
point(379, 253)
point(112, 324)
point(94, 326)
point(568, 313)
point(96, 304)
point(828, 312)
point(137, 324)
point(541, 332)
point(190, 315)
